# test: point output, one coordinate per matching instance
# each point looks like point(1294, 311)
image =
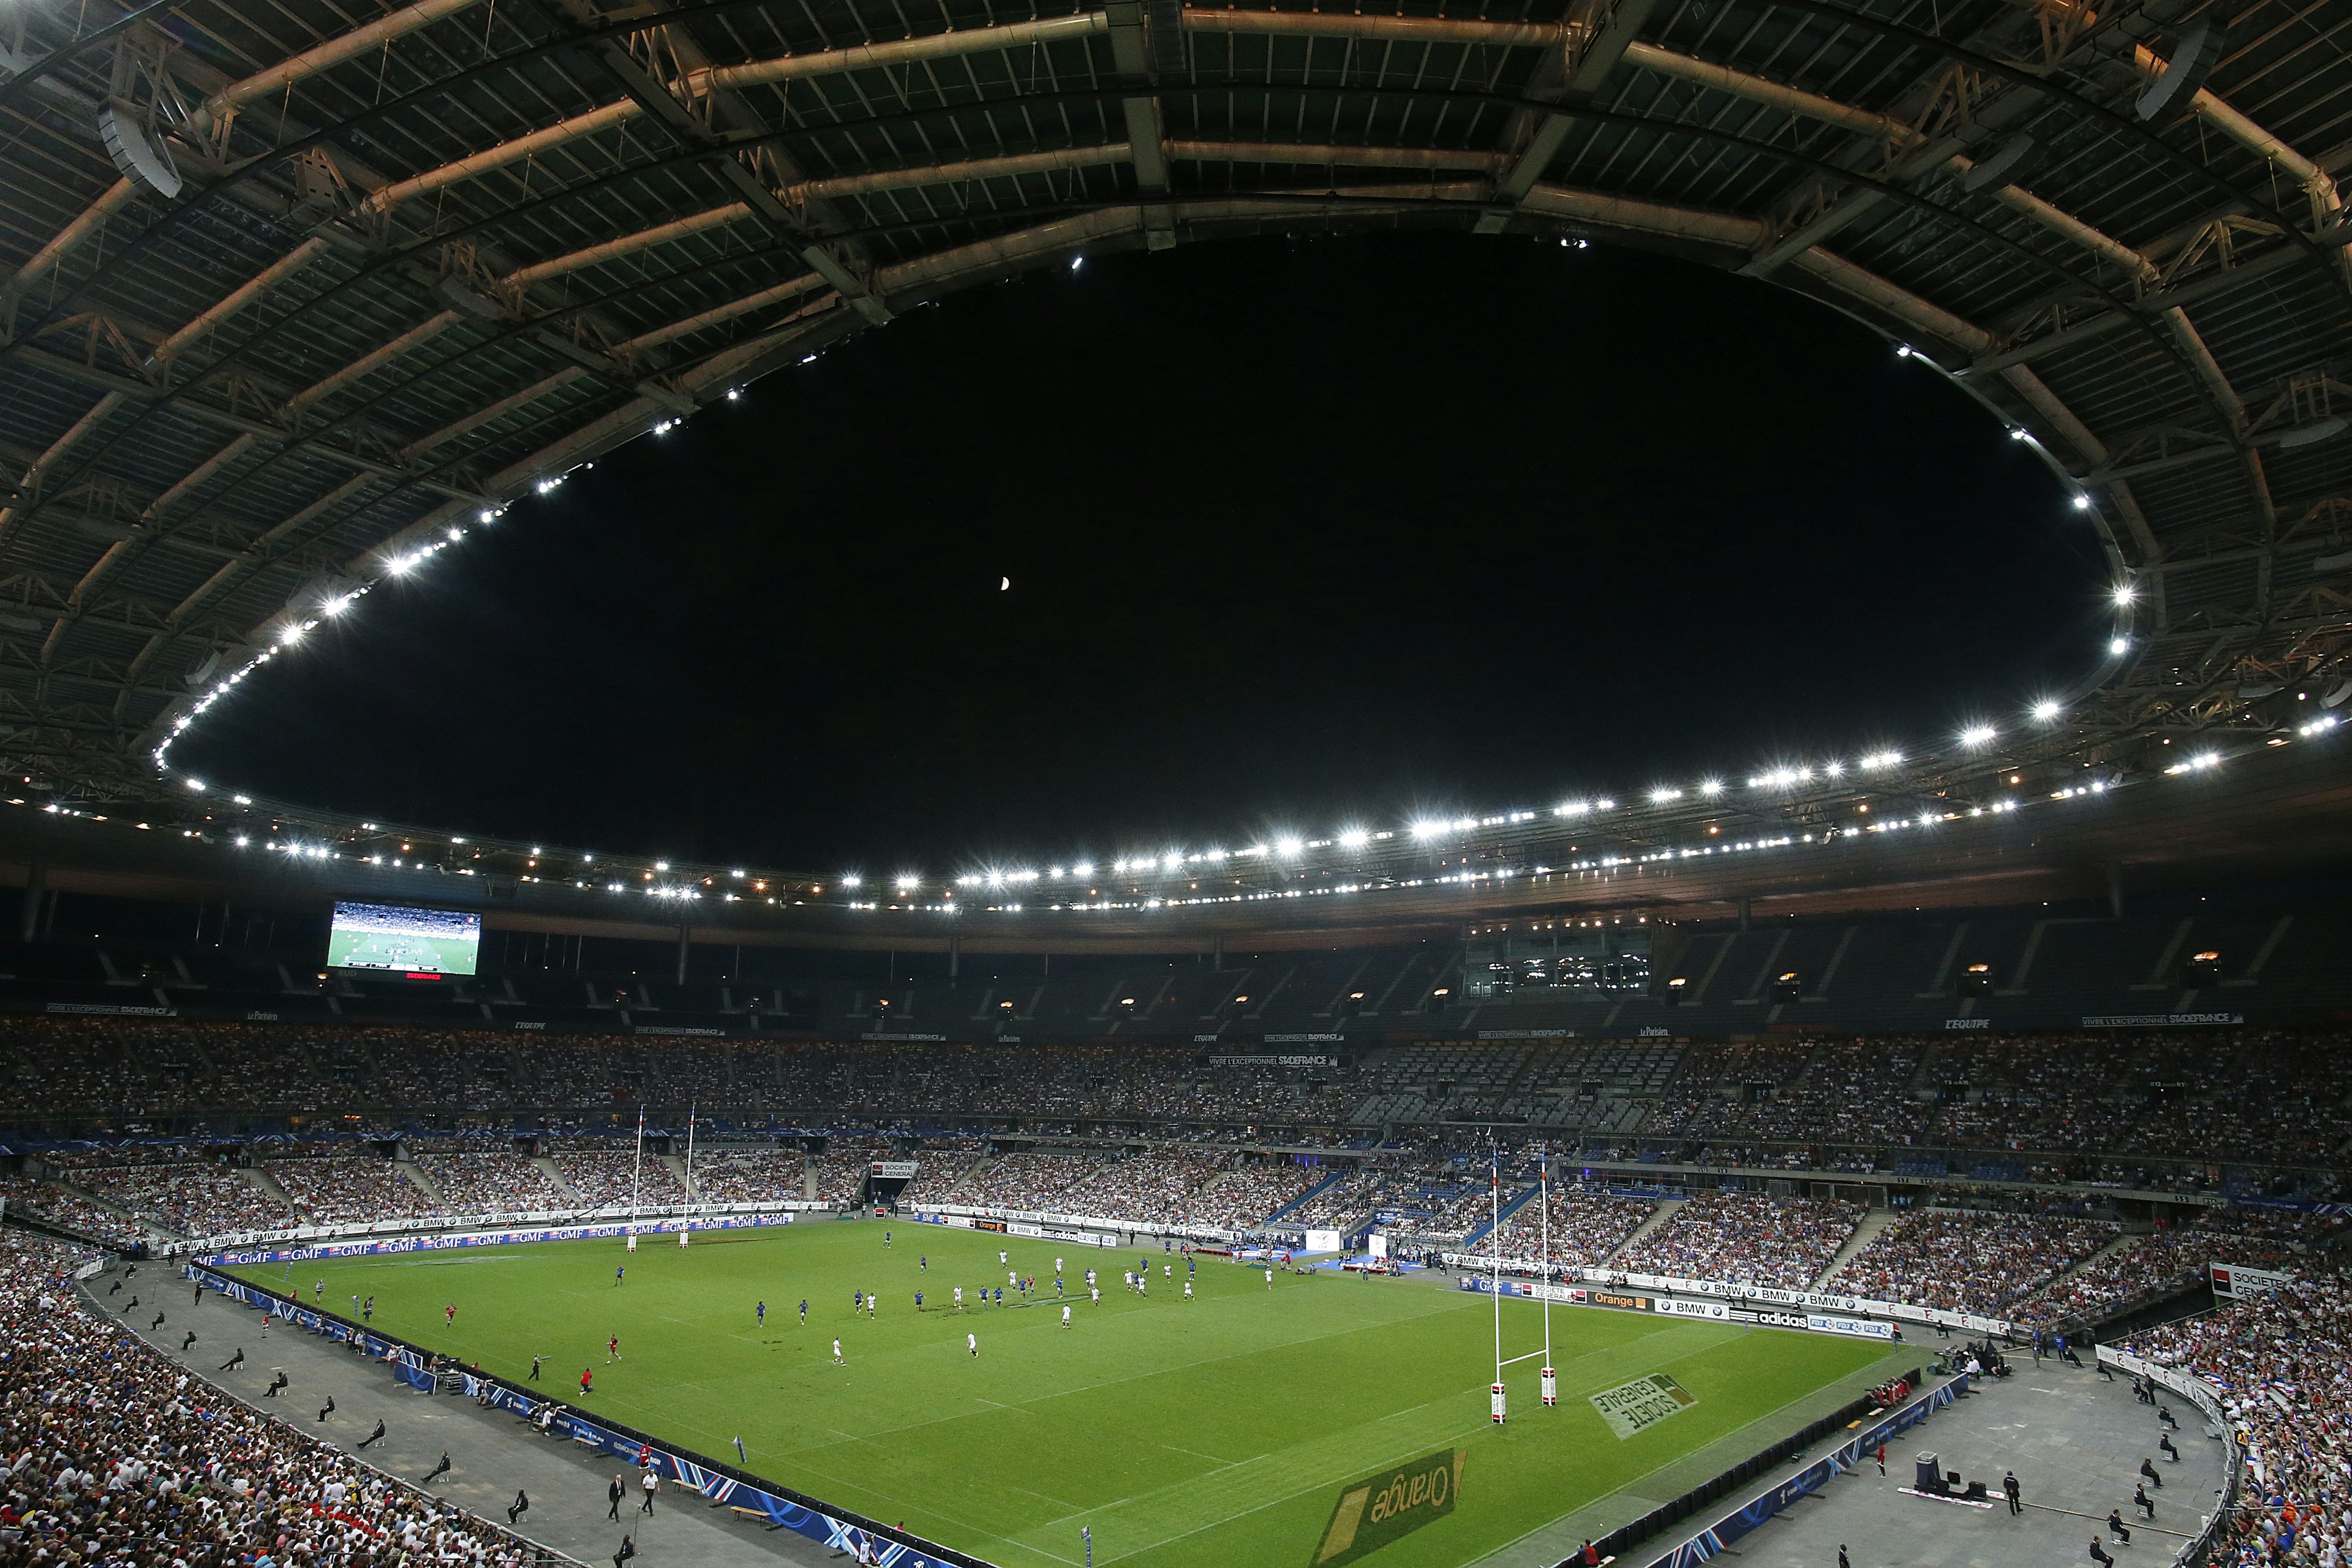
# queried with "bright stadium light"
point(1712, 786)
point(851, 880)
point(1426, 829)
point(2125, 593)
point(1288, 848)
point(2082, 503)
point(2118, 647)
point(1978, 735)
point(908, 881)
point(1664, 793)
point(1353, 839)
point(2046, 710)
point(1083, 869)
point(1879, 762)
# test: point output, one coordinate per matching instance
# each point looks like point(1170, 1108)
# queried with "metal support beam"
point(1598, 34)
point(1130, 54)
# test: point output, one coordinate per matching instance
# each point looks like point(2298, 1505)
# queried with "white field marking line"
point(1212, 1458)
point(1157, 1372)
point(846, 1485)
point(1464, 1432)
point(793, 1449)
point(1646, 1475)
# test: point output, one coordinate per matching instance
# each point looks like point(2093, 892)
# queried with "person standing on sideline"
point(612, 1496)
point(374, 1437)
point(652, 1485)
point(520, 1506)
point(1843, 1562)
point(1882, 1459)
point(2009, 1484)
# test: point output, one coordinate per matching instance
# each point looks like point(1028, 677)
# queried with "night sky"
point(1296, 531)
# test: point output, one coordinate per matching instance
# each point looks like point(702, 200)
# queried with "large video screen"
point(413, 941)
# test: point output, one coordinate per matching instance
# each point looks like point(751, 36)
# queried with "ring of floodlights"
point(2046, 726)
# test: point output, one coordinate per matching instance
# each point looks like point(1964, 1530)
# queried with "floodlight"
point(1978, 735)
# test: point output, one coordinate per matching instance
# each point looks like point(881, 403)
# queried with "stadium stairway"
point(419, 1179)
point(254, 1177)
point(2128, 1238)
point(1667, 1208)
point(1511, 1205)
point(1865, 1233)
point(1316, 1190)
point(546, 1167)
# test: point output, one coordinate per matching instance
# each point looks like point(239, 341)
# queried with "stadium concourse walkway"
point(490, 1452)
point(2075, 1439)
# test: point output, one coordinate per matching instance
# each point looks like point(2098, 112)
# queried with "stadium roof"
point(294, 297)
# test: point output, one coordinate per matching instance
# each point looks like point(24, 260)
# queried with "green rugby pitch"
point(1217, 1431)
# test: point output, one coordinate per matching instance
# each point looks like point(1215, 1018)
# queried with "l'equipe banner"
point(1396, 1502)
point(412, 941)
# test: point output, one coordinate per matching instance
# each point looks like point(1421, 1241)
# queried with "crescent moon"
point(1002, 584)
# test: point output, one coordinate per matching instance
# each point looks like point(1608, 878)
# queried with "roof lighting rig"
point(1984, 773)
